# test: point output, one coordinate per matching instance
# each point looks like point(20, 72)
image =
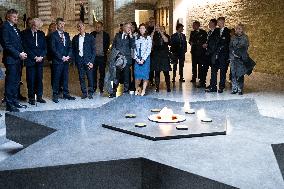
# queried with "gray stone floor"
point(266, 90)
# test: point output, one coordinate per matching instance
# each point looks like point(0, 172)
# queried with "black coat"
point(212, 42)
point(224, 43)
point(196, 40)
point(29, 44)
point(160, 53)
point(125, 45)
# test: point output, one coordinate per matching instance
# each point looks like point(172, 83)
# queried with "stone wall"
point(264, 26)
point(19, 5)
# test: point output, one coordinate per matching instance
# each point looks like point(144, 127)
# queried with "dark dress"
point(160, 60)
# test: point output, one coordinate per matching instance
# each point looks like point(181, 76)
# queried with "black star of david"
point(71, 149)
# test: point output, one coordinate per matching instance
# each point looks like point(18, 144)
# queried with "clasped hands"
point(140, 61)
point(66, 58)
point(23, 55)
point(90, 65)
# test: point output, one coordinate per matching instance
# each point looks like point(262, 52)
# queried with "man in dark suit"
point(84, 54)
point(123, 42)
point(221, 58)
point(61, 48)
point(13, 55)
point(197, 38)
point(35, 46)
point(179, 48)
point(210, 47)
point(102, 42)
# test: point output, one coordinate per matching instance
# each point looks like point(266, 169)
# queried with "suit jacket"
point(11, 43)
point(197, 39)
point(29, 44)
point(177, 46)
point(212, 41)
point(89, 52)
point(106, 40)
point(224, 43)
point(125, 45)
point(58, 49)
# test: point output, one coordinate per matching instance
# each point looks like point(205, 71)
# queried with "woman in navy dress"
point(142, 60)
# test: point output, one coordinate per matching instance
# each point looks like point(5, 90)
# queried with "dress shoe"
point(55, 100)
point(32, 102)
point(169, 90)
point(84, 96)
point(18, 105)
point(41, 100)
point(193, 80)
point(157, 90)
point(68, 97)
point(201, 85)
point(211, 90)
point(234, 92)
point(22, 98)
point(112, 95)
point(240, 93)
point(181, 80)
point(220, 90)
point(90, 96)
point(12, 109)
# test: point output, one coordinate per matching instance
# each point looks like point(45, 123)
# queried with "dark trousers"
point(12, 83)
point(84, 71)
point(60, 71)
point(222, 64)
point(180, 61)
point(196, 66)
point(125, 73)
point(100, 64)
point(204, 67)
point(167, 79)
point(34, 76)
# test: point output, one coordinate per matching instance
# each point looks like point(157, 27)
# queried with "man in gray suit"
point(124, 42)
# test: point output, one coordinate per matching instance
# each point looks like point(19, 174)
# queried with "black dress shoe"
point(220, 90)
point(18, 105)
point(90, 96)
point(22, 98)
point(181, 80)
point(201, 85)
point(112, 95)
point(12, 109)
point(234, 92)
point(240, 93)
point(41, 100)
point(84, 96)
point(68, 97)
point(55, 100)
point(32, 102)
point(169, 90)
point(157, 90)
point(193, 81)
point(211, 90)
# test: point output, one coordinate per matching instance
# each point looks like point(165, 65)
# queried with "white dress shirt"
point(61, 34)
point(81, 44)
point(35, 35)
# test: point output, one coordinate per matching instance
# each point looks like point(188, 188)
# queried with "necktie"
point(62, 37)
point(35, 36)
point(180, 40)
point(15, 30)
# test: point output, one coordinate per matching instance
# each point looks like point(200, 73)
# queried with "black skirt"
point(160, 60)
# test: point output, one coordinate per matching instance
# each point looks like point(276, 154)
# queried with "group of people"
point(137, 57)
point(219, 48)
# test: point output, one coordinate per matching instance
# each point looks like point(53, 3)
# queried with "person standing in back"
point(61, 48)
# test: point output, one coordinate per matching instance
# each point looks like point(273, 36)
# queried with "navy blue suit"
point(89, 55)
point(221, 60)
point(100, 61)
point(34, 70)
point(179, 48)
point(12, 47)
point(60, 68)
